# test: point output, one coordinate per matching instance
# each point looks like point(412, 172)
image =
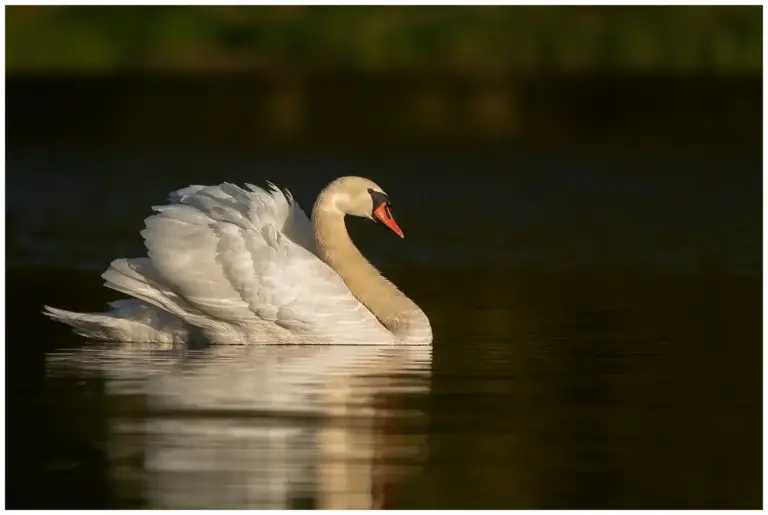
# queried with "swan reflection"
point(260, 426)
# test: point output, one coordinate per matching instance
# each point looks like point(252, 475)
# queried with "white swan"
point(235, 266)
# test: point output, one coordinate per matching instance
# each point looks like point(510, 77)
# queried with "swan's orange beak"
point(385, 216)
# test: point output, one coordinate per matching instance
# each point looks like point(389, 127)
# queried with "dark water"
point(597, 343)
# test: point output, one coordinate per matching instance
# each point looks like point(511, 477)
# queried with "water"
point(597, 342)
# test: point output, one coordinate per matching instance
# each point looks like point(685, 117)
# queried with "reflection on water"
point(261, 427)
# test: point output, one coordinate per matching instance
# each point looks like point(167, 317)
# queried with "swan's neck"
point(399, 314)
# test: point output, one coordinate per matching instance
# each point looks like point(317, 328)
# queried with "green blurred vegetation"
point(485, 41)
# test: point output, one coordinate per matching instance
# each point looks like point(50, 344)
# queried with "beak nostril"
point(384, 215)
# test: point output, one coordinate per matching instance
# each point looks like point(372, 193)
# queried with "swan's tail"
point(109, 326)
point(151, 316)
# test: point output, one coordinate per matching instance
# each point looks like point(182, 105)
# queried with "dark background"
point(579, 188)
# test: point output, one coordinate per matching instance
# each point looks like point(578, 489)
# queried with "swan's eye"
point(379, 198)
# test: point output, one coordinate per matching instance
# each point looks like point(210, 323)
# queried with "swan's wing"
point(242, 257)
point(278, 206)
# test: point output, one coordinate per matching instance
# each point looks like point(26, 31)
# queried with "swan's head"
point(358, 196)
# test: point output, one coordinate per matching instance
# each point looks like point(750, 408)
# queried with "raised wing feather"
point(246, 259)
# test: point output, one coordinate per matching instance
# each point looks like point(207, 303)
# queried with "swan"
point(227, 265)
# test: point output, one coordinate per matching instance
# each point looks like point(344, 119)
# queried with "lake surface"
point(597, 325)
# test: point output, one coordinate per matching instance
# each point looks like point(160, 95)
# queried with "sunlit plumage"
point(239, 266)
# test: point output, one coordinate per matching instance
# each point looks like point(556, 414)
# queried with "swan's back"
point(233, 266)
